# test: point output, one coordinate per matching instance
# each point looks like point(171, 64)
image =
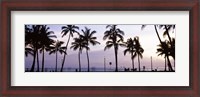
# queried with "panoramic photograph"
point(99, 48)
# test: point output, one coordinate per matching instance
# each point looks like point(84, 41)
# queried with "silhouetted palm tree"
point(130, 48)
point(164, 49)
point(138, 50)
point(29, 51)
point(165, 64)
point(37, 37)
point(79, 44)
point(45, 41)
point(167, 28)
point(115, 39)
point(55, 48)
point(32, 39)
point(28, 46)
point(89, 39)
point(69, 29)
point(172, 50)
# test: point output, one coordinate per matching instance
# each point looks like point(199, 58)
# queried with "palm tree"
point(89, 39)
point(45, 41)
point(55, 48)
point(164, 49)
point(172, 50)
point(138, 50)
point(28, 46)
point(115, 39)
point(29, 51)
point(32, 38)
point(167, 28)
point(165, 64)
point(79, 44)
point(71, 29)
point(130, 48)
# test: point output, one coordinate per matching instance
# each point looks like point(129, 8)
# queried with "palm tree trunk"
point(132, 61)
point(151, 64)
point(161, 44)
point(56, 60)
point(43, 60)
point(168, 35)
point(63, 61)
point(79, 59)
point(157, 34)
point(38, 65)
point(88, 60)
point(165, 64)
point(169, 64)
point(174, 64)
point(116, 60)
point(169, 40)
point(139, 62)
point(33, 64)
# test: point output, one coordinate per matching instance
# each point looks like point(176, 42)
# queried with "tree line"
point(38, 39)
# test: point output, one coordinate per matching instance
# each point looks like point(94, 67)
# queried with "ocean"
point(161, 69)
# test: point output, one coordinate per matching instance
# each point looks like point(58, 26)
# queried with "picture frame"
point(193, 90)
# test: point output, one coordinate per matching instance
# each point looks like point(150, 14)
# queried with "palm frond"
point(64, 27)
point(135, 54)
point(108, 46)
point(52, 51)
point(107, 34)
point(109, 42)
point(126, 50)
point(143, 26)
point(120, 31)
point(28, 51)
point(92, 33)
point(109, 26)
point(122, 44)
point(75, 27)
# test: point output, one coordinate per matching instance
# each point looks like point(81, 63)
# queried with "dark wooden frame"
point(99, 5)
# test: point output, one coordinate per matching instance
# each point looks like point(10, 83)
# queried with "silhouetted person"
point(126, 69)
point(143, 68)
point(110, 63)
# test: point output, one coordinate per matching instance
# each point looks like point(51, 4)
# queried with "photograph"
point(99, 47)
point(108, 48)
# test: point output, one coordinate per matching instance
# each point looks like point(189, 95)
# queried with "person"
point(143, 68)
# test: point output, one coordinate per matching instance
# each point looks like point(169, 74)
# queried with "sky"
point(147, 37)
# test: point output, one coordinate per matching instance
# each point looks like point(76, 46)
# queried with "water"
point(98, 69)
point(76, 69)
